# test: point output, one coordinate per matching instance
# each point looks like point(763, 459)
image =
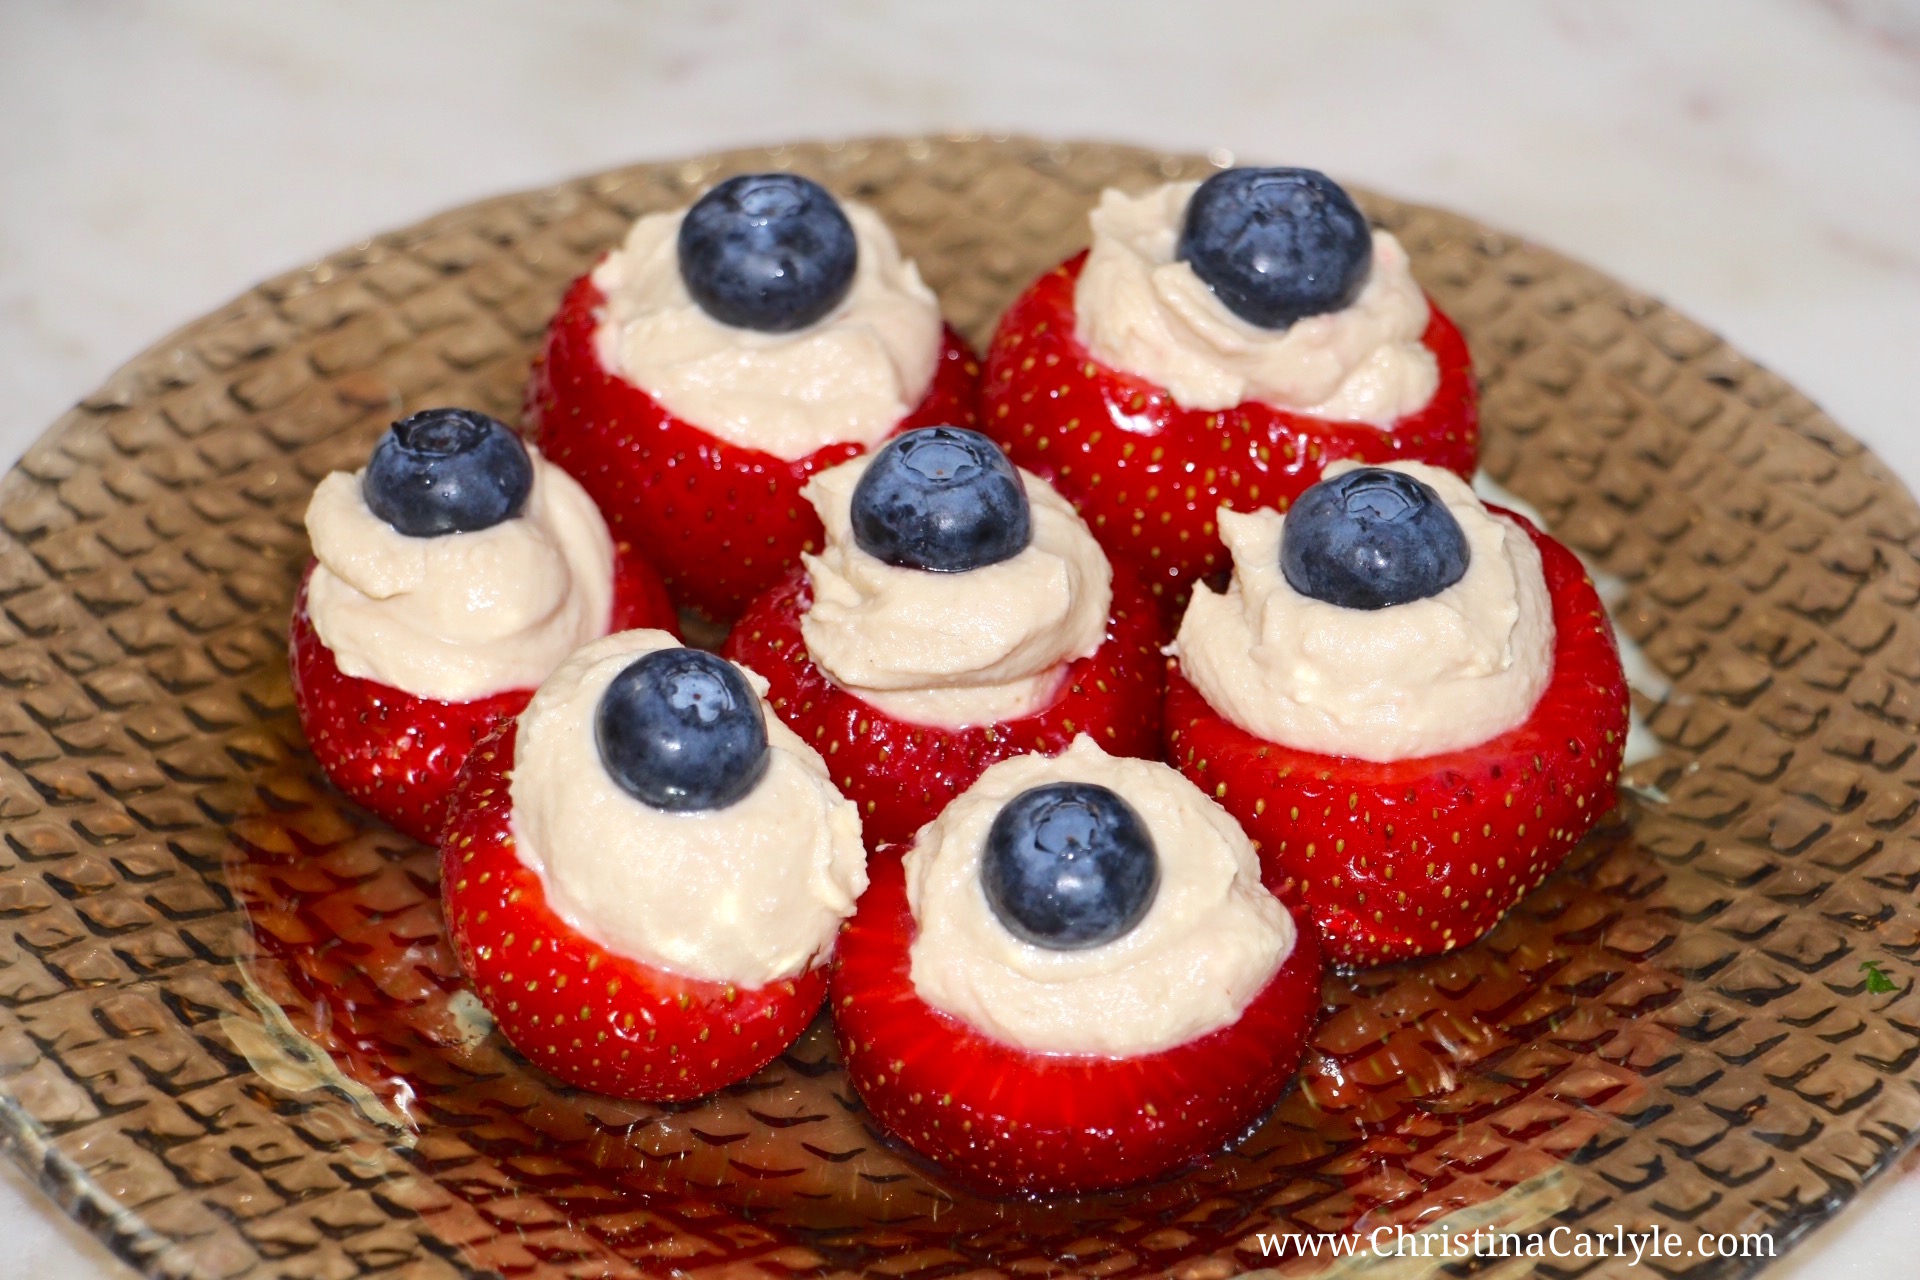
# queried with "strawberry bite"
point(1412, 702)
point(450, 576)
point(1072, 980)
point(1220, 344)
point(644, 874)
point(959, 613)
point(696, 378)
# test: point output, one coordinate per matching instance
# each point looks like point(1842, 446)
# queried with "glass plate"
point(232, 1037)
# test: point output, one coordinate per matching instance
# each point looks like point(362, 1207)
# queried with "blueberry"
point(447, 471)
point(1069, 865)
point(767, 251)
point(1276, 245)
point(941, 498)
point(1371, 538)
point(681, 730)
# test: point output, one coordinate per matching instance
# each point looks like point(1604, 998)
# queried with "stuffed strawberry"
point(1411, 701)
point(959, 614)
point(644, 874)
point(696, 378)
point(1072, 980)
point(451, 576)
point(1219, 345)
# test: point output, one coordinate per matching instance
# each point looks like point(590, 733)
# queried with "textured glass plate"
point(231, 1033)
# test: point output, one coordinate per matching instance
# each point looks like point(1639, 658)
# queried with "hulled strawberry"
point(643, 874)
point(1086, 987)
point(1466, 732)
point(772, 329)
point(402, 544)
point(959, 614)
point(1163, 376)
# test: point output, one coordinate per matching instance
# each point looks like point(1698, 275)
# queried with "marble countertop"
point(1754, 162)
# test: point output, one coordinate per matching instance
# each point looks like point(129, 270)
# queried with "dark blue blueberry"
point(681, 730)
point(1069, 865)
point(1371, 538)
point(941, 498)
point(767, 251)
point(1276, 245)
point(447, 471)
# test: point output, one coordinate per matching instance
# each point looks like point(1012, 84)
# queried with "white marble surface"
point(1755, 162)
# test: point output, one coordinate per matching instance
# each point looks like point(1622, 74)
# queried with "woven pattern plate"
point(232, 1038)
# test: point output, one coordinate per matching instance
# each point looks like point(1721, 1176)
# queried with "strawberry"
point(1413, 857)
point(1149, 475)
point(1008, 1119)
point(588, 1016)
point(901, 774)
point(723, 522)
point(396, 754)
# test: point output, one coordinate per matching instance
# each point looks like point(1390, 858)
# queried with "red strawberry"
point(1414, 857)
point(1149, 475)
point(902, 775)
point(397, 754)
point(723, 522)
point(1008, 1119)
point(583, 1014)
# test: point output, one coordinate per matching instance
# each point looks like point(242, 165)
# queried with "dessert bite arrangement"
point(1218, 345)
point(449, 577)
point(1051, 749)
point(721, 355)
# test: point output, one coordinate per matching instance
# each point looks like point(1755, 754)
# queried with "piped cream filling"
point(1210, 942)
point(1415, 679)
point(1140, 311)
point(849, 377)
point(954, 649)
point(748, 894)
point(465, 615)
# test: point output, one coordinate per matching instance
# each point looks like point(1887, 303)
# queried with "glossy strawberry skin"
point(1150, 476)
point(1005, 1119)
point(1416, 857)
point(722, 522)
point(395, 754)
point(902, 775)
point(585, 1015)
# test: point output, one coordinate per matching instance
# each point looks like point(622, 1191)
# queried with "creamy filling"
point(465, 615)
point(954, 649)
point(1142, 312)
point(1415, 679)
point(1211, 940)
point(848, 378)
point(748, 894)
